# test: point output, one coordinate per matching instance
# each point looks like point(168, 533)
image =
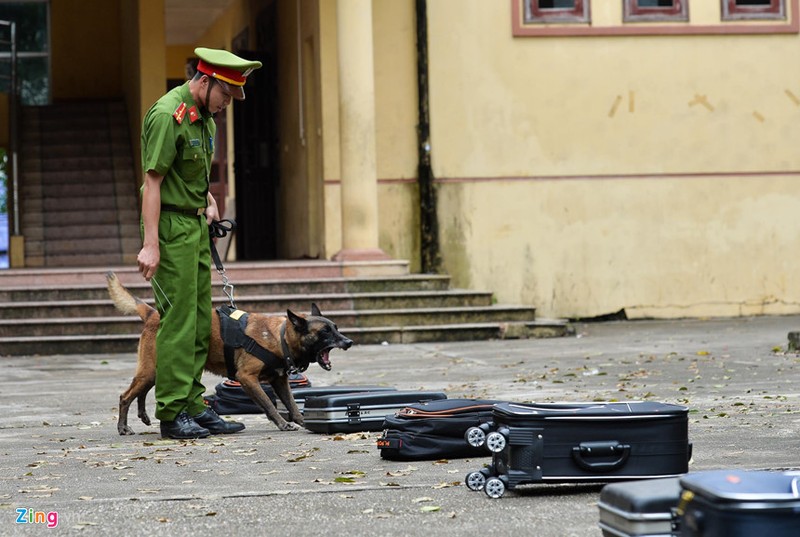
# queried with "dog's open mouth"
point(324, 359)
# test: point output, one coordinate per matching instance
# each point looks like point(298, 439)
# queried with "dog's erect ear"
point(298, 322)
point(315, 310)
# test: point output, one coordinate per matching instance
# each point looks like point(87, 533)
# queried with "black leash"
point(217, 230)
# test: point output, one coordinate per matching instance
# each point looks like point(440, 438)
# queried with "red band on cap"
point(231, 76)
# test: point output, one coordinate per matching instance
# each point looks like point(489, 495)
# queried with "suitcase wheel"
point(475, 481)
point(475, 437)
point(494, 487)
point(496, 442)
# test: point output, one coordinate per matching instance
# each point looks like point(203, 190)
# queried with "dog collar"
point(287, 355)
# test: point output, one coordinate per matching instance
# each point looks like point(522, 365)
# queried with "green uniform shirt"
point(178, 143)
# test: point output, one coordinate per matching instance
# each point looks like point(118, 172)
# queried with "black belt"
point(189, 212)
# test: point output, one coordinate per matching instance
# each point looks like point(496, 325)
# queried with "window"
point(556, 11)
point(557, 18)
point(33, 50)
point(655, 10)
point(753, 9)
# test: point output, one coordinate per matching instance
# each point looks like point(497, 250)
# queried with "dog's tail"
point(125, 301)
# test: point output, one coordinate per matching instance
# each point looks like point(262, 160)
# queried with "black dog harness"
point(232, 323)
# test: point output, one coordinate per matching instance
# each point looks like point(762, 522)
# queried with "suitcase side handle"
point(612, 448)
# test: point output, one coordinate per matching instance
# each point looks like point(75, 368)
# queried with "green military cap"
point(227, 67)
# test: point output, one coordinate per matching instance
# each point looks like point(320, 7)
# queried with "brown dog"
point(308, 339)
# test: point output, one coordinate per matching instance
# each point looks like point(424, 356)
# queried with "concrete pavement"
point(60, 451)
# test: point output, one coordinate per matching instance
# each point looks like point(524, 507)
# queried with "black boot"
point(183, 428)
point(216, 425)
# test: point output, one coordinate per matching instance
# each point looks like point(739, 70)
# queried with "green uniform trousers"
point(182, 287)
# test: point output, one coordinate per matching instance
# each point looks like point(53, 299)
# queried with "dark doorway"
point(256, 147)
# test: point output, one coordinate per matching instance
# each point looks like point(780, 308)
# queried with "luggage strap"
point(232, 323)
point(411, 412)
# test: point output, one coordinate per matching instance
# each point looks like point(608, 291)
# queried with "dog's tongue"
point(324, 360)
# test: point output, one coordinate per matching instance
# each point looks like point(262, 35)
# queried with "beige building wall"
point(588, 174)
point(80, 68)
point(176, 60)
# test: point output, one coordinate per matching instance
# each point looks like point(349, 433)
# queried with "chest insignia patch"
point(179, 113)
point(194, 142)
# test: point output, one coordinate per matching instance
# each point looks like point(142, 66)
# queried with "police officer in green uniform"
point(177, 148)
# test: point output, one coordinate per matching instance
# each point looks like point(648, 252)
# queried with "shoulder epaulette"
point(179, 113)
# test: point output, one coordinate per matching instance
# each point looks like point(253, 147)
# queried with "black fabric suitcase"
point(230, 398)
point(582, 442)
point(731, 503)
point(434, 430)
point(354, 412)
point(301, 394)
point(643, 508)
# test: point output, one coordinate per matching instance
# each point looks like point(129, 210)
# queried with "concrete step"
point(67, 311)
point(347, 305)
point(75, 245)
point(124, 343)
point(368, 321)
point(540, 328)
point(60, 190)
point(84, 232)
point(58, 149)
point(122, 179)
point(76, 260)
point(235, 271)
point(73, 217)
point(79, 162)
point(142, 289)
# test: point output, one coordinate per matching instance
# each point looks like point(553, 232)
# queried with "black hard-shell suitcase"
point(434, 430)
point(301, 394)
point(580, 442)
point(354, 412)
point(640, 508)
point(736, 503)
point(230, 397)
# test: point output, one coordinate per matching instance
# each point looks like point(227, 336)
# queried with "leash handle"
point(220, 228)
point(217, 230)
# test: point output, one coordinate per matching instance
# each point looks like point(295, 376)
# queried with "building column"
point(357, 133)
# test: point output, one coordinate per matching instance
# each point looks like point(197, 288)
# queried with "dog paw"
point(289, 426)
point(124, 431)
point(145, 419)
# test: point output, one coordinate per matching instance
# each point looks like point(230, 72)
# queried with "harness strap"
point(233, 337)
point(230, 364)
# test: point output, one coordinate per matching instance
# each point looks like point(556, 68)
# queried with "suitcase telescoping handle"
point(586, 451)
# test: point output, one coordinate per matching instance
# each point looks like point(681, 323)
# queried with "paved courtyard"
point(60, 451)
